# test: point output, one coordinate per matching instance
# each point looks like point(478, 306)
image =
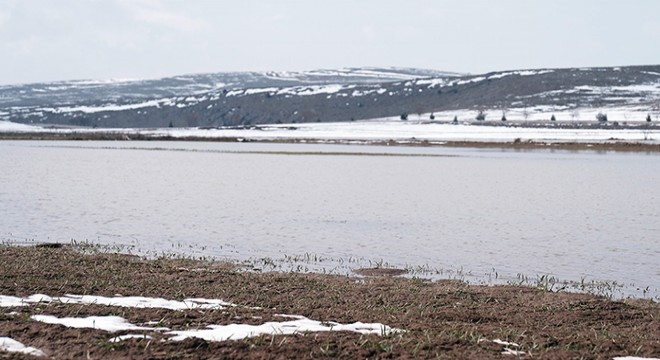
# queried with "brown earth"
point(446, 319)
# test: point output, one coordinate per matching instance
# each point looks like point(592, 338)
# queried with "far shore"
point(518, 143)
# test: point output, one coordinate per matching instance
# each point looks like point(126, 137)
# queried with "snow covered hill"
point(129, 90)
point(622, 94)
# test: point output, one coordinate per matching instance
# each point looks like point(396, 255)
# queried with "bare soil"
point(446, 319)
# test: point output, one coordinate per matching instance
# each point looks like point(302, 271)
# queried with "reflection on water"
point(573, 215)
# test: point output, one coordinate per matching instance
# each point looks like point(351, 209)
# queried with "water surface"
point(573, 215)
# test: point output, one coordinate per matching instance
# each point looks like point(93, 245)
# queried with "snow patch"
point(507, 347)
point(12, 126)
point(468, 81)
point(357, 93)
point(313, 90)
point(520, 73)
point(301, 324)
point(11, 345)
point(121, 301)
point(101, 108)
point(433, 82)
point(508, 351)
point(505, 343)
point(105, 323)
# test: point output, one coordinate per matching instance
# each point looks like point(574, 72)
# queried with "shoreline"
point(516, 144)
point(438, 319)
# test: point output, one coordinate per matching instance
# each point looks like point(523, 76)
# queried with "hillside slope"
point(230, 99)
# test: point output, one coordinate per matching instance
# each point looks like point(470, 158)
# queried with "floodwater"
point(481, 213)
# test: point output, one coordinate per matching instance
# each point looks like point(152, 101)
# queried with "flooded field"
point(484, 215)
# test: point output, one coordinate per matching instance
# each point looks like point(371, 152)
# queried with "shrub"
point(601, 117)
point(404, 116)
point(648, 118)
point(455, 118)
point(481, 116)
point(432, 117)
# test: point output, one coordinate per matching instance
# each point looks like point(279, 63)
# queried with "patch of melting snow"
point(521, 73)
point(146, 302)
point(11, 345)
point(121, 301)
point(301, 324)
point(11, 301)
point(508, 351)
point(105, 323)
point(297, 324)
point(129, 336)
point(507, 347)
point(505, 343)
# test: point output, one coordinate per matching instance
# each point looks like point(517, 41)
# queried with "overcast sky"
point(46, 40)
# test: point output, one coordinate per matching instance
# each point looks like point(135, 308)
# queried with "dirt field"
point(446, 319)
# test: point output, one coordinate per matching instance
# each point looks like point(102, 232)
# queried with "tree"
point(503, 115)
point(601, 117)
point(481, 116)
point(455, 119)
point(575, 114)
point(648, 118)
point(553, 118)
point(419, 112)
point(432, 117)
point(525, 113)
point(404, 116)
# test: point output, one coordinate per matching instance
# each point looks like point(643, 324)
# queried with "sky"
point(50, 40)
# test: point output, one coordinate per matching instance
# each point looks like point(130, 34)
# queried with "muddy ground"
point(446, 319)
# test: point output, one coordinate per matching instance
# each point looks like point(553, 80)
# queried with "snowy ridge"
point(67, 92)
point(229, 99)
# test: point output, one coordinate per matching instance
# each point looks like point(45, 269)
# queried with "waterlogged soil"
point(446, 319)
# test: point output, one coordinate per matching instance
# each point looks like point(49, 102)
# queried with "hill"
point(248, 98)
